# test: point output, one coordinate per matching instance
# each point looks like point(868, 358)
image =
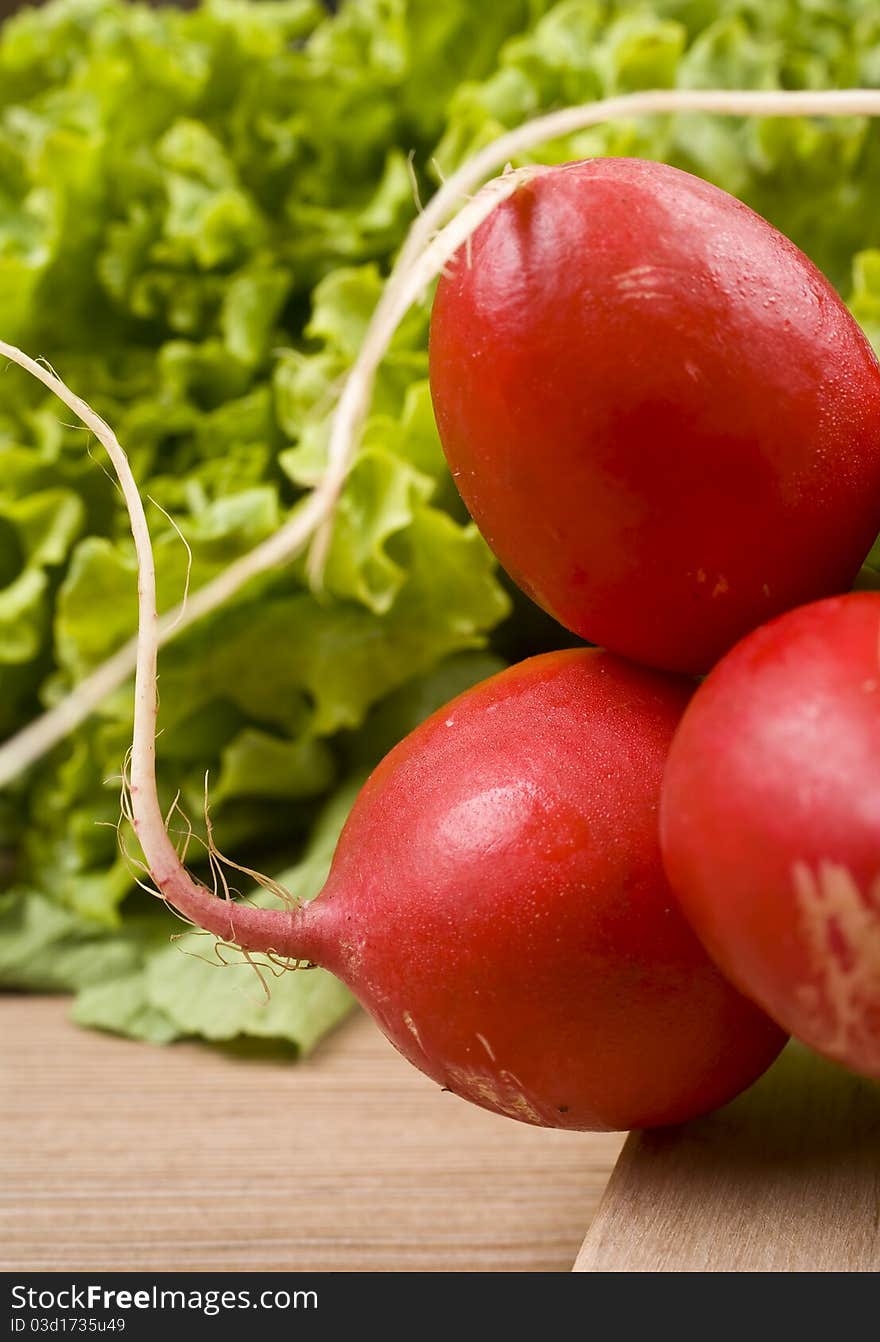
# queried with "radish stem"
point(283, 932)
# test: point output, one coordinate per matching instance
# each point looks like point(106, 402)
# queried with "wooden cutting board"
point(785, 1179)
point(119, 1156)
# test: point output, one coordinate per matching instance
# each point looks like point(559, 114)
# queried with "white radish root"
point(423, 256)
point(242, 924)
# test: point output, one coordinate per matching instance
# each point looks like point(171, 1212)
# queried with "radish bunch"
point(667, 425)
point(589, 893)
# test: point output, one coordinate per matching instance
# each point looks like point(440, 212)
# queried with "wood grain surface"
point(787, 1178)
point(117, 1155)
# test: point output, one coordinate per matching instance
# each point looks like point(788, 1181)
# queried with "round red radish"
point(498, 903)
point(660, 414)
point(771, 822)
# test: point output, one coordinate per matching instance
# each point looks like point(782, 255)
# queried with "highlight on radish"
point(771, 822)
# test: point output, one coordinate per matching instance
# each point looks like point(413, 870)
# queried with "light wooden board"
point(787, 1178)
point(116, 1155)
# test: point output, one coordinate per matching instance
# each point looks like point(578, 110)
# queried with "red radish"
point(497, 902)
point(771, 822)
point(660, 414)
